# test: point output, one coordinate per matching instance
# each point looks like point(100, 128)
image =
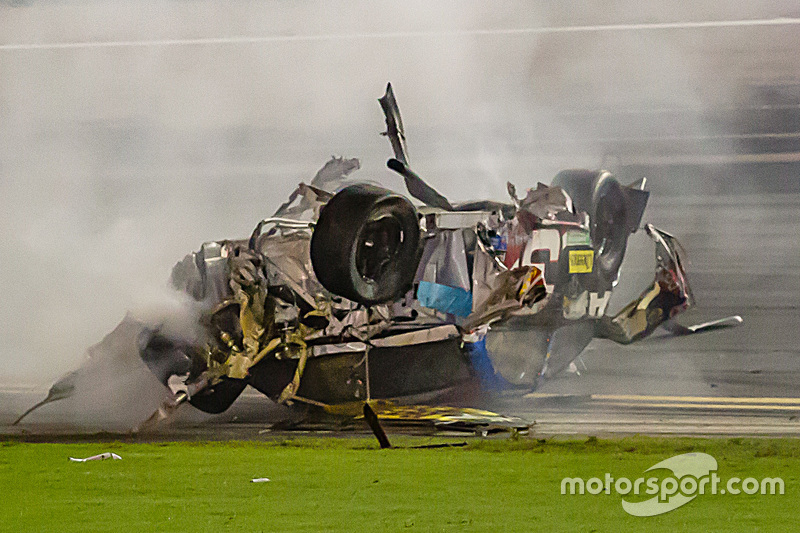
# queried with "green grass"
point(350, 485)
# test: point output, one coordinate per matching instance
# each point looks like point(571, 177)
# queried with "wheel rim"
point(379, 245)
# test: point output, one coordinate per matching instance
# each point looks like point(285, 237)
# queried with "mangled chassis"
point(534, 264)
point(350, 293)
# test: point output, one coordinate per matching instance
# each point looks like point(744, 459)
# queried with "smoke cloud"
point(117, 159)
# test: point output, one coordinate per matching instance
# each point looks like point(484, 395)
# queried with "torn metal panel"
point(442, 417)
point(203, 275)
point(669, 295)
point(485, 270)
point(394, 124)
point(289, 263)
point(546, 203)
point(334, 175)
point(452, 220)
point(636, 200)
point(415, 185)
point(521, 288)
point(411, 338)
point(305, 201)
point(518, 235)
point(435, 334)
point(444, 260)
point(721, 323)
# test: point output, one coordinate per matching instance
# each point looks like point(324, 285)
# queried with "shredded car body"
point(351, 293)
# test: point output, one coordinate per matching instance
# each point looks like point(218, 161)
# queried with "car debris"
point(99, 457)
point(351, 293)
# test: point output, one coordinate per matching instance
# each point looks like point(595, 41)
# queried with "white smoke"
point(117, 160)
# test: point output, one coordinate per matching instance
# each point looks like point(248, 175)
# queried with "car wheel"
point(599, 194)
point(365, 245)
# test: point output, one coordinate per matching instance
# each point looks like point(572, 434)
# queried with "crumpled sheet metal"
point(203, 274)
point(668, 295)
point(546, 202)
point(498, 292)
point(289, 263)
point(304, 203)
point(496, 288)
point(394, 124)
point(445, 417)
point(442, 274)
point(444, 260)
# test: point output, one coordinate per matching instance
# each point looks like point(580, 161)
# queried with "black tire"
point(600, 194)
point(366, 245)
point(218, 397)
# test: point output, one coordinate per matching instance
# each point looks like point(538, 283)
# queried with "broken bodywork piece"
point(666, 297)
point(351, 293)
point(410, 418)
point(449, 418)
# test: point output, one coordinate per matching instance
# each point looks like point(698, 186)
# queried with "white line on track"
point(689, 399)
point(683, 402)
point(696, 399)
point(712, 406)
point(237, 40)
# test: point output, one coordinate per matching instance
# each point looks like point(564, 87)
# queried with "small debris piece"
point(375, 426)
point(100, 457)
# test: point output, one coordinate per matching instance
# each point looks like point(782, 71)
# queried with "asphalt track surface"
point(744, 254)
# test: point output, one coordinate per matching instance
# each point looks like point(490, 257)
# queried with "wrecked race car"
point(351, 293)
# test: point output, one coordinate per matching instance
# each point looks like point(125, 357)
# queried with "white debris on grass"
point(100, 457)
